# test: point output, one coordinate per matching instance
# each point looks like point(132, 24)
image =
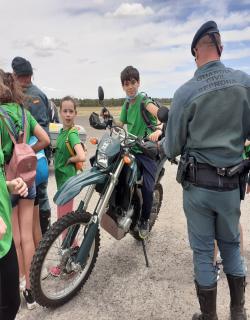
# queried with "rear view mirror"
point(100, 94)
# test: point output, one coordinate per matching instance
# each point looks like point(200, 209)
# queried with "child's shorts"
point(31, 196)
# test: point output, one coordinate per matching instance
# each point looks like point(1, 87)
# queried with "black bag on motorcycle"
point(94, 121)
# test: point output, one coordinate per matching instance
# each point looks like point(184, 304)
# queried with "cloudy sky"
point(77, 45)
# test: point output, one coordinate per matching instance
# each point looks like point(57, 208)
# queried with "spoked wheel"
point(55, 276)
point(156, 206)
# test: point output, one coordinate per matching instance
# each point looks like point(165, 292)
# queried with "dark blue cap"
point(207, 28)
point(21, 67)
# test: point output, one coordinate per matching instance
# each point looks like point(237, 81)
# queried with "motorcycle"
point(72, 243)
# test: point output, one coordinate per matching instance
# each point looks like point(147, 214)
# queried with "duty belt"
point(209, 177)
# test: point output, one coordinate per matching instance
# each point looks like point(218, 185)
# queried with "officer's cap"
point(21, 67)
point(207, 28)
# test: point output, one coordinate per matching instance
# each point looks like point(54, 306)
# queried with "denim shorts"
point(31, 196)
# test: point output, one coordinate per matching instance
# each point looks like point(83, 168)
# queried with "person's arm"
point(42, 137)
point(79, 156)
point(118, 123)
point(3, 228)
point(177, 128)
point(17, 186)
point(152, 108)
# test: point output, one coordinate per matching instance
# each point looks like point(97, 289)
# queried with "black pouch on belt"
point(182, 168)
point(243, 183)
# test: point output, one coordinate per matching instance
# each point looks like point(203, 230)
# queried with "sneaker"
point(143, 229)
point(31, 303)
point(55, 271)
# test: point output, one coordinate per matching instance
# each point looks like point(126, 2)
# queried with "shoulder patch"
point(36, 100)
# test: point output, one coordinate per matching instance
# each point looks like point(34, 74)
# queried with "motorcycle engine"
point(124, 221)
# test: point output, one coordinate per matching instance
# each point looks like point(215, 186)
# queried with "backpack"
point(42, 168)
point(79, 164)
point(23, 160)
point(144, 111)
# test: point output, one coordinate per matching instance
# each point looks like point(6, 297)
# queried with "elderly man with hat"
point(38, 105)
point(209, 121)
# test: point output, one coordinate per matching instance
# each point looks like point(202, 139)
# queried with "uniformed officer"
point(38, 105)
point(209, 121)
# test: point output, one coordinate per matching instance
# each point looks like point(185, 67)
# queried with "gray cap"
point(21, 67)
point(207, 28)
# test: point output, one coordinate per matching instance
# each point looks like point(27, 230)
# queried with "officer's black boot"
point(45, 220)
point(207, 299)
point(237, 293)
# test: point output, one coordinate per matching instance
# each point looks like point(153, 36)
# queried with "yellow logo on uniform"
point(36, 101)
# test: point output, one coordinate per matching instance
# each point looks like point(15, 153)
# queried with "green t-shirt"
point(134, 120)
point(5, 211)
point(15, 112)
point(62, 171)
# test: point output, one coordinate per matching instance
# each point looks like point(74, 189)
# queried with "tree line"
point(108, 102)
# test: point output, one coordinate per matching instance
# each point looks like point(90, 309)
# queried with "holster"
point(184, 163)
point(243, 183)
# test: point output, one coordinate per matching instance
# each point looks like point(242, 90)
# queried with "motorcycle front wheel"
point(54, 275)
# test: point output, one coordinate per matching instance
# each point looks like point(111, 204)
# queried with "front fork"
point(92, 226)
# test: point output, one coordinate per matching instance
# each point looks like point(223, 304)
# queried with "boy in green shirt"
point(132, 117)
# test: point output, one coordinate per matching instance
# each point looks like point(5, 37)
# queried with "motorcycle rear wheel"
point(51, 290)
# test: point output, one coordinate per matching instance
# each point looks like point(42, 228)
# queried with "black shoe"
point(31, 303)
point(143, 229)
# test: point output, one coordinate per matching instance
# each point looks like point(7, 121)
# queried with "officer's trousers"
point(213, 215)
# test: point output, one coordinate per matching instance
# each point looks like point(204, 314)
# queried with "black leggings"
point(9, 285)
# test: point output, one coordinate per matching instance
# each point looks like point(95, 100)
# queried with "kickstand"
point(145, 252)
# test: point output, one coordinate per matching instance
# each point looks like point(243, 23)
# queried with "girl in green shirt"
point(11, 98)
point(64, 161)
point(9, 275)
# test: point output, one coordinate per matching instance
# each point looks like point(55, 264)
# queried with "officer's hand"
point(155, 135)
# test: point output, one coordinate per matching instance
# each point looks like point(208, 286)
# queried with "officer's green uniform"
point(208, 124)
point(209, 119)
point(38, 105)
point(64, 171)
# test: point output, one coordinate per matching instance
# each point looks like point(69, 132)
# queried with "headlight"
point(102, 160)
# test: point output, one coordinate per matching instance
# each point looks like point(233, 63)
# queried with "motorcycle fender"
point(72, 187)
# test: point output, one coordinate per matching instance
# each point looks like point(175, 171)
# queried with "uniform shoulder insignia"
point(36, 100)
